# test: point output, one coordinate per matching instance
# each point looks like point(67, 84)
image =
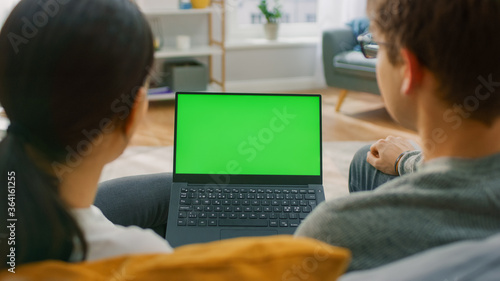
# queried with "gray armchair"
point(345, 68)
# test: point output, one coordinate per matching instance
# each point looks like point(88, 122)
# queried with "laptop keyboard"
point(245, 207)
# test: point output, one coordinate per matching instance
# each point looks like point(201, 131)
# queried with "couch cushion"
point(264, 258)
point(354, 63)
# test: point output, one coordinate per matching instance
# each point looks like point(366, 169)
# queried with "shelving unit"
point(163, 12)
point(212, 48)
point(193, 52)
point(221, 44)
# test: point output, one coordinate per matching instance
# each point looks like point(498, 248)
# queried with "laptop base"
point(194, 220)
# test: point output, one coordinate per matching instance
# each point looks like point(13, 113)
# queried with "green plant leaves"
point(272, 15)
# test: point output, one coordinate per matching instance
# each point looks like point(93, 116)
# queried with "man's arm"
point(394, 156)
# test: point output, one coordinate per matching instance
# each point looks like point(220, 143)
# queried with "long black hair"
point(67, 68)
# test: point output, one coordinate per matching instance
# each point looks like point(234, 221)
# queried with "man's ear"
point(137, 112)
point(413, 72)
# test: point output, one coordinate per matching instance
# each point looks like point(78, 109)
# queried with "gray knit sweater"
point(444, 201)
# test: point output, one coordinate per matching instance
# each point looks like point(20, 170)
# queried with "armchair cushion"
point(263, 258)
point(354, 63)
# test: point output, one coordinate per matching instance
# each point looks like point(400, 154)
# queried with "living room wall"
point(271, 68)
point(287, 65)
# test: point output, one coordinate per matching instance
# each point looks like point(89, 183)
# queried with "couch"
point(477, 260)
point(344, 67)
point(266, 258)
point(273, 258)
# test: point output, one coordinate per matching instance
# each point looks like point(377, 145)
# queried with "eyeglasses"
point(369, 47)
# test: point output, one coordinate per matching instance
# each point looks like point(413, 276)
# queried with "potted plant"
point(272, 17)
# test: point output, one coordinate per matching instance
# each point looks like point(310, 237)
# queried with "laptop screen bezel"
point(224, 179)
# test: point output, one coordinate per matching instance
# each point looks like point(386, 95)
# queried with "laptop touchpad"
point(234, 233)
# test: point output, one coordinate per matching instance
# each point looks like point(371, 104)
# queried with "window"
point(299, 19)
point(294, 11)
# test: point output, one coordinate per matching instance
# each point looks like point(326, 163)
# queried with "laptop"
point(244, 165)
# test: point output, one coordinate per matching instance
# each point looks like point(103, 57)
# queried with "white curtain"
point(6, 7)
point(338, 12)
point(335, 13)
point(352, 9)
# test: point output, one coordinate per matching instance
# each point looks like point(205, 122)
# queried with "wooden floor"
point(362, 118)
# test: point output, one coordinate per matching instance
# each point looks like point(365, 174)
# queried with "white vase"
point(271, 31)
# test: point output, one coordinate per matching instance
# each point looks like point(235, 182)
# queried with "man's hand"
point(383, 153)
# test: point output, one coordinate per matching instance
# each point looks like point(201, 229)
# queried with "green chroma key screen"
point(248, 134)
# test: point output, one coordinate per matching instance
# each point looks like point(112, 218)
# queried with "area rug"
point(139, 160)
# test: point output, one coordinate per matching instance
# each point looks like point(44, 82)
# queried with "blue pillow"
point(358, 27)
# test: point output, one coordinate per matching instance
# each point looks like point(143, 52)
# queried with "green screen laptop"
point(244, 165)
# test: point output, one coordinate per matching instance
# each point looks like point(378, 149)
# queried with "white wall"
point(271, 69)
point(273, 63)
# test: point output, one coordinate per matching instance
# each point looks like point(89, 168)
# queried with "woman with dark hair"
point(73, 80)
